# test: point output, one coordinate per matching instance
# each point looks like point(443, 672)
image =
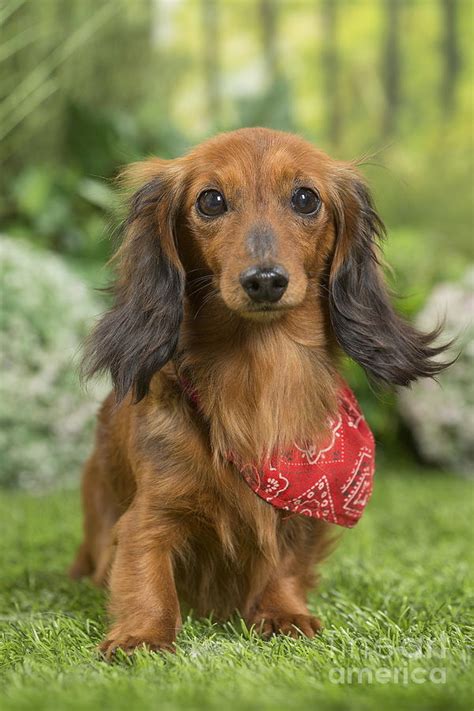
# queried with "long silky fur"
point(365, 324)
point(139, 334)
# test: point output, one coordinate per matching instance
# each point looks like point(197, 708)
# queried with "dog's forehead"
point(247, 156)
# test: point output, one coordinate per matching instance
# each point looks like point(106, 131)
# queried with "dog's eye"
point(211, 203)
point(305, 201)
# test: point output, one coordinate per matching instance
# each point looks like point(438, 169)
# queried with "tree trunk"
point(210, 26)
point(330, 64)
point(269, 20)
point(391, 65)
point(451, 56)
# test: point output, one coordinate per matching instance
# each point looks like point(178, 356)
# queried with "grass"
point(394, 599)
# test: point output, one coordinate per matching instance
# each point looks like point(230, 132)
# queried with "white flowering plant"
point(440, 414)
point(46, 415)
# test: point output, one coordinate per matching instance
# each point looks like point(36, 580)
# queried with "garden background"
point(89, 85)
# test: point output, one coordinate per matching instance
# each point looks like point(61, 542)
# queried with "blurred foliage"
point(46, 417)
point(88, 85)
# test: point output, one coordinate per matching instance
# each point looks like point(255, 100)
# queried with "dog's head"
point(261, 217)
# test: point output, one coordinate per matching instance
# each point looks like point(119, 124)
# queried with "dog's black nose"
point(265, 284)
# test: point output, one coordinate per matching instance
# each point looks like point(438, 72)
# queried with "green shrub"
point(46, 417)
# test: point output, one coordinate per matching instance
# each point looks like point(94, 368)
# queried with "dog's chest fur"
point(230, 543)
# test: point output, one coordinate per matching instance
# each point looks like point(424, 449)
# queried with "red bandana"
point(332, 482)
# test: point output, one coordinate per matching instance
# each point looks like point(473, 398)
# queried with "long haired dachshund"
point(246, 267)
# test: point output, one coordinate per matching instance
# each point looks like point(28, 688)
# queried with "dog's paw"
point(291, 625)
point(130, 643)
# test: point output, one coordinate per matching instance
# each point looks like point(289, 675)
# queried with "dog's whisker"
point(200, 288)
point(197, 269)
point(199, 280)
point(206, 301)
point(202, 282)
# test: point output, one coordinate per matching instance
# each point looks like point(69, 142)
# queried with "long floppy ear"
point(362, 317)
point(139, 334)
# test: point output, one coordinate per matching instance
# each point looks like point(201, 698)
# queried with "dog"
point(246, 269)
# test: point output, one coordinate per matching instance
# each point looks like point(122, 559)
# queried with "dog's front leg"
point(143, 600)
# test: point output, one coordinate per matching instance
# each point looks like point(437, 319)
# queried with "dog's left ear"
point(363, 319)
point(139, 334)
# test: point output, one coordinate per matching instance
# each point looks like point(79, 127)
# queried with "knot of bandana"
point(331, 481)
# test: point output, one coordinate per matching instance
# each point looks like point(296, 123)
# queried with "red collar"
point(332, 482)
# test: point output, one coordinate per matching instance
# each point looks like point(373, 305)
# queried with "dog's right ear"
point(139, 334)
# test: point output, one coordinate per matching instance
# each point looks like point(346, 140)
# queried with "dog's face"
point(259, 219)
point(266, 221)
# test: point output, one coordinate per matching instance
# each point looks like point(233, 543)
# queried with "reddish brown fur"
point(167, 516)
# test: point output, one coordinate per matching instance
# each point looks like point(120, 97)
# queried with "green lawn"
point(394, 599)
